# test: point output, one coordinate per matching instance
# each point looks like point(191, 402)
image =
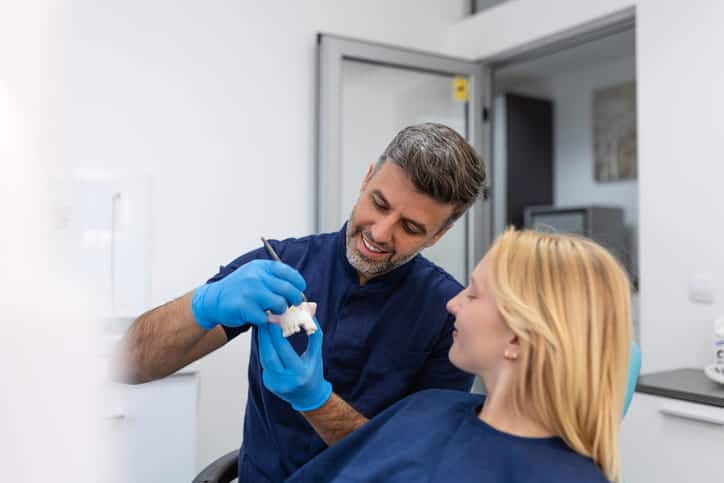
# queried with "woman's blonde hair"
point(568, 301)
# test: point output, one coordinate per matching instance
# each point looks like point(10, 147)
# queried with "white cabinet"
point(151, 430)
point(671, 441)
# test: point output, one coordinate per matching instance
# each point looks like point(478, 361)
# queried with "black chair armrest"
point(223, 470)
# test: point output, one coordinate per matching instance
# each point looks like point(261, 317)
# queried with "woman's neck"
point(499, 411)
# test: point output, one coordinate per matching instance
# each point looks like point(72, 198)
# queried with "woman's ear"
point(512, 351)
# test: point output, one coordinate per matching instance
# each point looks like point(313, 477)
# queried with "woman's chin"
point(457, 359)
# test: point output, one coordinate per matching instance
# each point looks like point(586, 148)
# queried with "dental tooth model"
point(297, 318)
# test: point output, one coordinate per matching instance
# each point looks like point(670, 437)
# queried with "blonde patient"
point(545, 323)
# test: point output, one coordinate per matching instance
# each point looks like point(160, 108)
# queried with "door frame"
point(616, 22)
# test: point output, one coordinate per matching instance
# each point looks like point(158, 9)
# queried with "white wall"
point(680, 169)
point(215, 101)
point(574, 177)
point(680, 101)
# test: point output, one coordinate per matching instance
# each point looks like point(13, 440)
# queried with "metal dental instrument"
point(273, 254)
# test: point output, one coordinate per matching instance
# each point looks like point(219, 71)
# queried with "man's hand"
point(244, 296)
point(299, 380)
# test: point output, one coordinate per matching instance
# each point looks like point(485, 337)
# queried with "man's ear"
point(368, 177)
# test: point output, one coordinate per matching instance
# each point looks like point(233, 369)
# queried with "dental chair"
point(224, 469)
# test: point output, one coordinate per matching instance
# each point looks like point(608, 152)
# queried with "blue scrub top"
point(382, 342)
point(435, 436)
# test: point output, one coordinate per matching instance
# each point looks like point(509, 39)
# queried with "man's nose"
point(382, 229)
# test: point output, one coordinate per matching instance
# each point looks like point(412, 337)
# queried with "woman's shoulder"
point(432, 404)
point(558, 463)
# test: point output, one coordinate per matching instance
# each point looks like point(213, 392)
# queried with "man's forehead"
point(391, 174)
point(392, 180)
point(423, 204)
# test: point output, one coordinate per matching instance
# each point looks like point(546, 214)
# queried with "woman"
point(545, 323)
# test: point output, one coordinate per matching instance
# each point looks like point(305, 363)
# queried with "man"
point(381, 308)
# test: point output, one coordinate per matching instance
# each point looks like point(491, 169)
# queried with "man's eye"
point(412, 229)
point(378, 204)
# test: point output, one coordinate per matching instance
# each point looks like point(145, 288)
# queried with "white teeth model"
point(297, 318)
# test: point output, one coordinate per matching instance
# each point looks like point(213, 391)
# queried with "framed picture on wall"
point(614, 133)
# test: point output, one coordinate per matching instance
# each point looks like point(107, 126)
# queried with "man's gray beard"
point(366, 267)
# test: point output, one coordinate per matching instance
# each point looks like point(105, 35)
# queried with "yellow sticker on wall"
point(460, 88)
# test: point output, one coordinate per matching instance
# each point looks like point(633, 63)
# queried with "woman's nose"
point(452, 305)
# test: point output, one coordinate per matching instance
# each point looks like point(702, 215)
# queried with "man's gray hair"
point(440, 163)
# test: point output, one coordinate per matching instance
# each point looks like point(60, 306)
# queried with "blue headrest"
point(634, 367)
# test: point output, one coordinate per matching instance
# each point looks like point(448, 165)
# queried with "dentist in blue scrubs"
point(380, 303)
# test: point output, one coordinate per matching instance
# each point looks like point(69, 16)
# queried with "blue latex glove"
point(243, 296)
point(299, 380)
